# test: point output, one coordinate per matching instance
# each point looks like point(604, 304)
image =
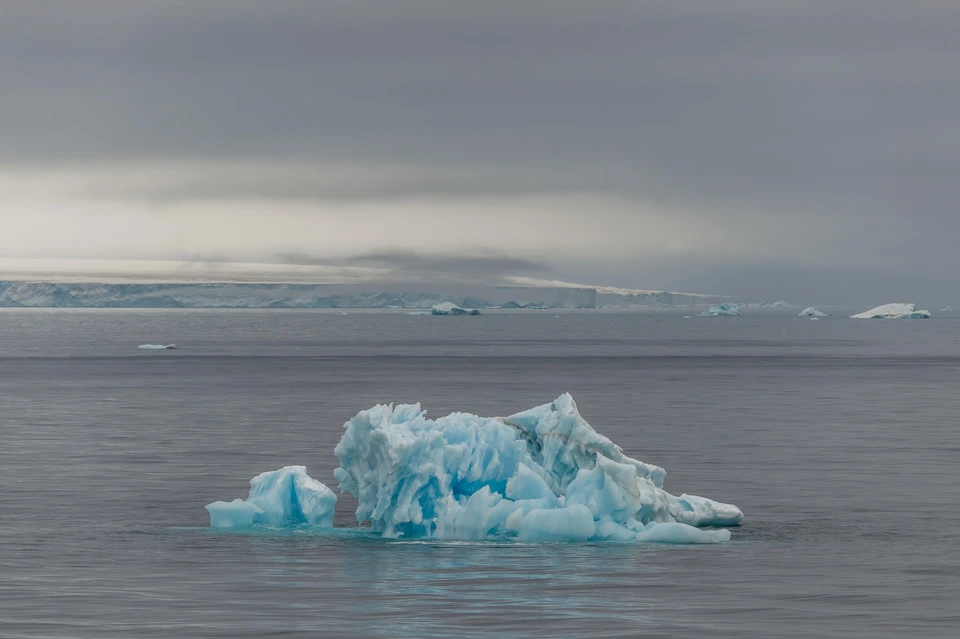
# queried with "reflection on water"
point(442, 589)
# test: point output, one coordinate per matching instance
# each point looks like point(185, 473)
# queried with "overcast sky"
point(805, 150)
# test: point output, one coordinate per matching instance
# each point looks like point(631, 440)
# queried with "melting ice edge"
point(541, 475)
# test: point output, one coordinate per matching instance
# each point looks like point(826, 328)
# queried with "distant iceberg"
point(946, 309)
point(777, 304)
point(811, 312)
point(285, 497)
point(157, 347)
point(893, 311)
point(541, 475)
point(727, 309)
point(449, 308)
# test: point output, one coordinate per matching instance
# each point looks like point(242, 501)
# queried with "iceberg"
point(285, 497)
point(893, 311)
point(727, 309)
point(157, 347)
point(449, 308)
point(811, 312)
point(781, 304)
point(540, 475)
point(946, 309)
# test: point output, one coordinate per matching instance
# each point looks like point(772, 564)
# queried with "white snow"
point(897, 310)
point(541, 475)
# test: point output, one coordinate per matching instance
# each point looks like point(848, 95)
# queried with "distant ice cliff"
point(72, 294)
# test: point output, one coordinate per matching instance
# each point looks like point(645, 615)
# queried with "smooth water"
point(838, 438)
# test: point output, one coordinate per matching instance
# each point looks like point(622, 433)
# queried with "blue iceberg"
point(726, 309)
point(541, 475)
point(449, 308)
point(285, 497)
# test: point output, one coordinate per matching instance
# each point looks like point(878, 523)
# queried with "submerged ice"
point(285, 497)
point(541, 475)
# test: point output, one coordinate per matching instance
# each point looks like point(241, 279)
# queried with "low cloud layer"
point(732, 145)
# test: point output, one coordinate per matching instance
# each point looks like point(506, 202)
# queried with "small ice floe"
point(285, 497)
point(157, 347)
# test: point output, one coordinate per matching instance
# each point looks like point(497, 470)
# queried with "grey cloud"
point(465, 264)
point(838, 115)
point(433, 265)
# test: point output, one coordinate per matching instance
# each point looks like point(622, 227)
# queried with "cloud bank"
point(735, 145)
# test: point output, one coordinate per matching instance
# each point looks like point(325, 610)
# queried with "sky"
point(804, 149)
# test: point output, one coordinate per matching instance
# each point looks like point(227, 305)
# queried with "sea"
point(838, 438)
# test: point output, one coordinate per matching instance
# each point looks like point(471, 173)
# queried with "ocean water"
point(838, 438)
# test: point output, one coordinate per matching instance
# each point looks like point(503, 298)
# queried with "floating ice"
point(449, 308)
point(781, 304)
point(893, 311)
point(811, 312)
point(727, 308)
point(284, 497)
point(541, 475)
point(157, 347)
point(946, 309)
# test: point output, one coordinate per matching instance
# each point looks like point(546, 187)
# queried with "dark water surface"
point(838, 438)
